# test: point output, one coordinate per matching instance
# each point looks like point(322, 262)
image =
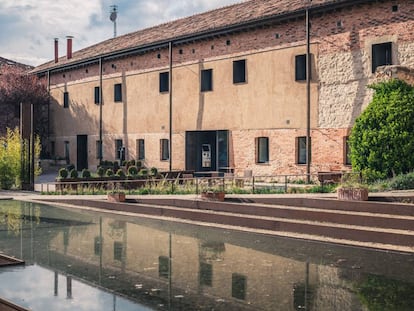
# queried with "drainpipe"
point(170, 99)
point(308, 99)
point(100, 111)
point(48, 107)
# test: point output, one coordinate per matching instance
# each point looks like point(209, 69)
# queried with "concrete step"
point(230, 214)
point(319, 212)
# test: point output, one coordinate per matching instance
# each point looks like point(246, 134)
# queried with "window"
point(65, 100)
point(206, 274)
point(239, 71)
point(347, 151)
point(381, 55)
point(118, 250)
point(98, 245)
point(164, 149)
point(301, 150)
point(97, 95)
point(140, 149)
point(163, 266)
point(118, 92)
point(118, 149)
point(164, 82)
point(206, 80)
point(66, 152)
point(238, 286)
point(52, 148)
point(262, 149)
point(98, 149)
point(300, 68)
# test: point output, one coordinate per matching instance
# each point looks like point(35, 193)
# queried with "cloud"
point(29, 26)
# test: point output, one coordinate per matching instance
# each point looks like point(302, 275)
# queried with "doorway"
point(82, 152)
point(206, 151)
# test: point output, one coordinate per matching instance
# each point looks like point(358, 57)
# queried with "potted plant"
point(115, 195)
point(213, 194)
point(352, 188)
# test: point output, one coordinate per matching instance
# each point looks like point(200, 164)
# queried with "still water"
point(79, 260)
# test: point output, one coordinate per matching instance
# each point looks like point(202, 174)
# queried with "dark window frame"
point(118, 145)
point(65, 99)
point(118, 92)
point(140, 149)
point(238, 286)
point(97, 94)
point(301, 150)
point(301, 67)
point(239, 71)
point(163, 267)
point(262, 155)
point(164, 82)
point(347, 151)
point(164, 149)
point(381, 55)
point(206, 80)
point(118, 250)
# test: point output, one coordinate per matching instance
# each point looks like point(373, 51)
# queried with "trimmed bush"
point(120, 173)
point(154, 171)
point(85, 173)
point(73, 173)
point(402, 182)
point(109, 172)
point(139, 164)
point(100, 171)
point(132, 170)
point(70, 167)
point(63, 173)
point(143, 172)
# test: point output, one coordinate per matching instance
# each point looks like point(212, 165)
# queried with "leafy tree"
point(11, 158)
point(16, 86)
point(382, 139)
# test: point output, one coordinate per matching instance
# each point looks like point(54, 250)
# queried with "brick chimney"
point(69, 47)
point(56, 50)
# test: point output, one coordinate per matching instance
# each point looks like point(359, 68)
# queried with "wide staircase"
point(381, 225)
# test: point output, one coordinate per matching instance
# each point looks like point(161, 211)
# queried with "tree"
point(382, 139)
point(11, 159)
point(16, 86)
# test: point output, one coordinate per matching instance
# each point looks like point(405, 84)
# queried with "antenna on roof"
point(113, 15)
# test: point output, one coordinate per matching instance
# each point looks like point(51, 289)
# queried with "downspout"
point(48, 107)
point(308, 98)
point(100, 111)
point(170, 100)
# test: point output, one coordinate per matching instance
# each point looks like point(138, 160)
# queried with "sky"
point(28, 27)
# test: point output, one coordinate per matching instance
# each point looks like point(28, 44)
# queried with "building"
point(10, 71)
point(228, 90)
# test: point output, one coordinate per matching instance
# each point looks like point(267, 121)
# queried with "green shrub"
point(100, 171)
point(109, 172)
point(120, 173)
point(132, 162)
point(70, 167)
point(402, 182)
point(86, 173)
point(132, 170)
point(154, 171)
point(139, 164)
point(381, 140)
point(63, 173)
point(143, 172)
point(73, 173)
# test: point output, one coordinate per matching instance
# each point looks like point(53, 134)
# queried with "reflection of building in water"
point(221, 272)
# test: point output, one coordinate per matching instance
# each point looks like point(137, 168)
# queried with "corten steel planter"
point(353, 194)
point(116, 197)
point(213, 196)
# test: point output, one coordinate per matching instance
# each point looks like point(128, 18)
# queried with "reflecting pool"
point(80, 260)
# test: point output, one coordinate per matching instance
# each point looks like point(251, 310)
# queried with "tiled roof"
point(215, 20)
point(11, 63)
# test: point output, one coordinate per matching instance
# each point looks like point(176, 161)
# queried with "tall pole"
point(308, 98)
point(170, 99)
point(32, 148)
point(100, 111)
